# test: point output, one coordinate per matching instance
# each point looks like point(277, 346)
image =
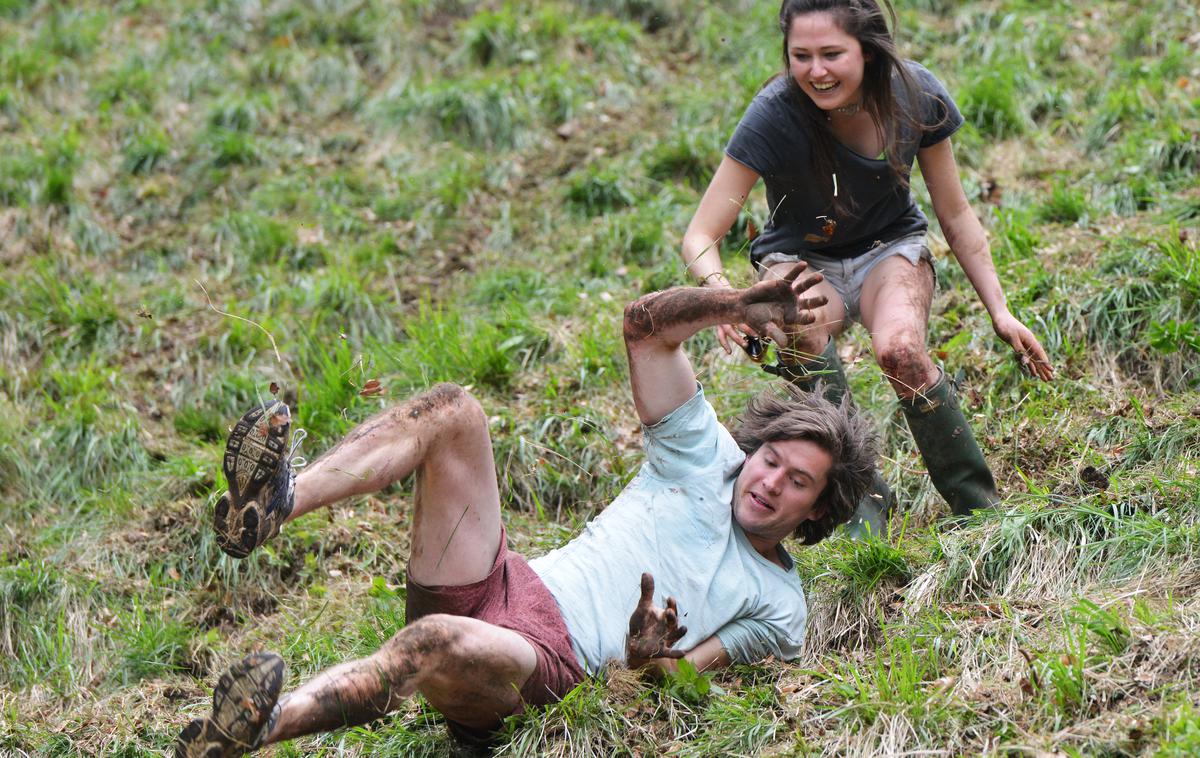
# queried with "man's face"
point(778, 490)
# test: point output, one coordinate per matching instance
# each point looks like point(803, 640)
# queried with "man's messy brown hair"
point(837, 429)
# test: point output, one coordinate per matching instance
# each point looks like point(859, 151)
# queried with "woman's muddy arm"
point(969, 244)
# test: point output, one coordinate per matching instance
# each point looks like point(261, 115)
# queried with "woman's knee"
point(809, 341)
point(807, 345)
point(904, 360)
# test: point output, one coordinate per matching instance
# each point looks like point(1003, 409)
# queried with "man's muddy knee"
point(441, 402)
point(420, 647)
point(443, 406)
point(440, 397)
point(428, 635)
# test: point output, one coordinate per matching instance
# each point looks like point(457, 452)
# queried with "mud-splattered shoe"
point(261, 483)
point(244, 709)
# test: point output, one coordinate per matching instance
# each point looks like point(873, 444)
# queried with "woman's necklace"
point(848, 110)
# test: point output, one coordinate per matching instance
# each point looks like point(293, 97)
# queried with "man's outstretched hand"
point(773, 306)
point(652, 630)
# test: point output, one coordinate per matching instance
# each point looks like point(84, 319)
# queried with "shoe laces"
point(276, 711)
point(297, 461)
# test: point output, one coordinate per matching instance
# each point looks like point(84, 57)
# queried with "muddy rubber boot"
point(956, 465)
point(871, 515)
point(826, 370)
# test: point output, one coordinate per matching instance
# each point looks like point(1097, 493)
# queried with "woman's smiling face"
point(826, 62)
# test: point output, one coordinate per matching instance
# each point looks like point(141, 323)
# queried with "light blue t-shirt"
point(675, 520)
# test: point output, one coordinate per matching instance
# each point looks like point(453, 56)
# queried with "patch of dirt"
point(219, 607)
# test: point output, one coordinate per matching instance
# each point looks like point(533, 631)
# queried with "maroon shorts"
point(511, 596)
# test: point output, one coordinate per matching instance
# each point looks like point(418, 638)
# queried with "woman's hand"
point(1030, 352)
point(770, 306)
point(735, 333)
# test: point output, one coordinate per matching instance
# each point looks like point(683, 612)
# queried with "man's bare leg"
point(442, 437)
point(469, 670)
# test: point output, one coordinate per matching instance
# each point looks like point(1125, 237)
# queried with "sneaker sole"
point(255, 447)
point(252, 459)
point(243, 702)
point(236, 528)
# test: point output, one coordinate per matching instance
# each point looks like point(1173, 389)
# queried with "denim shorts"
point(848, 274)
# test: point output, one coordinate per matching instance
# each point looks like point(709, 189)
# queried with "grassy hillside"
point(200, 198)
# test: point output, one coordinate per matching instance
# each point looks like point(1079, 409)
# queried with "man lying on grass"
point(488, 632)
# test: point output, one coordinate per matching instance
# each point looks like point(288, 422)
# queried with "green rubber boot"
point(956, 465)
point(825, 369)
point(870, 517)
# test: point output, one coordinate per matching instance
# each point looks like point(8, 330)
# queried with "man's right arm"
point(656, 326)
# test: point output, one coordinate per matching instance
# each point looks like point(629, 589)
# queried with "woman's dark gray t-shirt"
point(772, 139)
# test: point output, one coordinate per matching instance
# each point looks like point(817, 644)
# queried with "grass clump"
point(901, 678)
point(599, 191)
point(443, 345)
point(1177, 731)
point(60, 159)
point(681, 160)
point(482, 111)
point(1065, 205)
point(993, 102)
point(864, 565)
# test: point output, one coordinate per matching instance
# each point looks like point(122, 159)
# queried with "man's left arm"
point(653, 631)
point(709, 655)
point(656, 326)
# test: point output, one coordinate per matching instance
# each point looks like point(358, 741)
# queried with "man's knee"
point(444, 399)
point(428, 640)
point(444, 646)
point(444, 407)
point(477, 678)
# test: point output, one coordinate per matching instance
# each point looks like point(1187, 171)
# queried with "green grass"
point(452, 190)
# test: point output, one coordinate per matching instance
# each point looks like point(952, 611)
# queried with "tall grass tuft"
point(60, 160)
point(993, 101)
point(598, 191)
point(481, 111)
point(444, 344)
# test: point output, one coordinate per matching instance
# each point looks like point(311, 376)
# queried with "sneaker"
point(262, 485)
point(244, 710)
